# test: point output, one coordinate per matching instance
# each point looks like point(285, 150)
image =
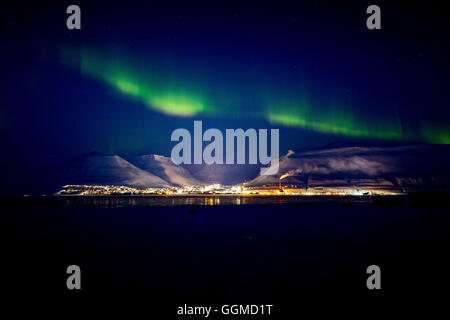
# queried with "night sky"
point(137, 71)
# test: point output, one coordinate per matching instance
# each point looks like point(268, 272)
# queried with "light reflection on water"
point(205, 200)
point(152, 201)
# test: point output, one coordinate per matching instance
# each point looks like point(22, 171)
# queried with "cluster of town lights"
point(218, 189)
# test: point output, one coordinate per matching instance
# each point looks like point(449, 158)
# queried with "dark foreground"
point(288, 255)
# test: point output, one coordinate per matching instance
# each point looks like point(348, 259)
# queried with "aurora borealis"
point(150, 89)
point(169, 94)
point(133, 74)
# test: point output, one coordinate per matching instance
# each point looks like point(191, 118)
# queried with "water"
point(195, 248)
point(205, 200)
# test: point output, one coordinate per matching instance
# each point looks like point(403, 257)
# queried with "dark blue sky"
point(312, 69)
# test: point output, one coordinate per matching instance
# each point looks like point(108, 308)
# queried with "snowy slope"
point(109, 170)
point(408, 167)
point(164, 168)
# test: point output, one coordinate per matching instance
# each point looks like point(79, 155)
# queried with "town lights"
point(221, 190)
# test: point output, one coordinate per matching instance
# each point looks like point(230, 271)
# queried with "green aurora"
point(173, 93)
point(151, 89)
point(344, 124)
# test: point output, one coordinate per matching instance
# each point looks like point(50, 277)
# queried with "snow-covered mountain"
point(408, 167)
point(164, 168)
point(109, 170)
